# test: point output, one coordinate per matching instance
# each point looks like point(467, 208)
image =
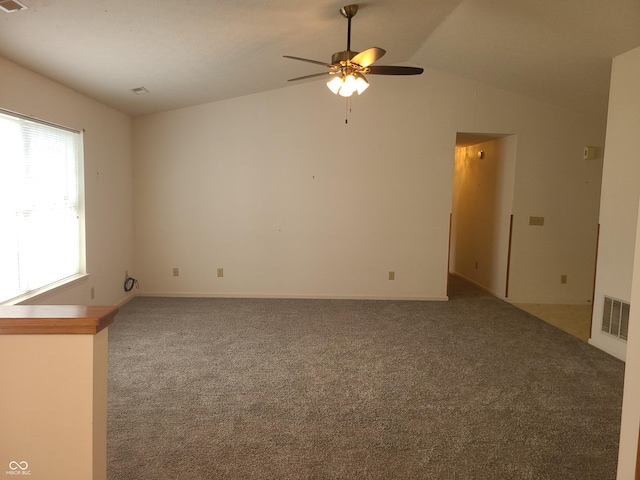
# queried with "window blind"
point(41, 240)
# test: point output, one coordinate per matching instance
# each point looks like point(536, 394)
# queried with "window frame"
point(60, 284)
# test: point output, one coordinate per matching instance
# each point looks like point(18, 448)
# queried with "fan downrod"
point(348, 11)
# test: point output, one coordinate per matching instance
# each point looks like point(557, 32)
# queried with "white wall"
point(620, 194)
point(630, 424)
point(551, 181)
point(108, 178)
point(290, 201)
point(481, 212)
point(618, 273)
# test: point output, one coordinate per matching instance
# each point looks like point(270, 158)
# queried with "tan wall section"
point(48, 408)
point(620, 195)
point(108, 181)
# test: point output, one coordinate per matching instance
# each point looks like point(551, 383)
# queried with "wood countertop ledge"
point(55, 319)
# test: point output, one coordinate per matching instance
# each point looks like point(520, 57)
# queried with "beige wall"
point(53, 411)
point(290, 201)
point(276, 189)
point(620, 194)
point(108, 178)
point(619, 257)
point(553, 181)
point(631, 399)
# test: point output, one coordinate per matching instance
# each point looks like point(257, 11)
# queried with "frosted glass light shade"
point(348, 86)
point(345, 86)
point(361, 84)
point(334, 84)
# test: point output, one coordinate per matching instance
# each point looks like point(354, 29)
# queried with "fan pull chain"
point(348, 110)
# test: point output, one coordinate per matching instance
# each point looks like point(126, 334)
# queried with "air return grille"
point(615, 318)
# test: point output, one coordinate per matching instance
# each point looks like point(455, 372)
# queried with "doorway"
point(482, 204)
point(482, 225)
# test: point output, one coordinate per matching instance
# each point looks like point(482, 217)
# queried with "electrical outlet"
point(476, 265)
point(392, 275)
point(563, 279)
point(93, 293)
point(221, 272)
point(536, 221)
point(176, 272)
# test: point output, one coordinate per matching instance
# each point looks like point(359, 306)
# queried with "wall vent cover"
point(615, 317)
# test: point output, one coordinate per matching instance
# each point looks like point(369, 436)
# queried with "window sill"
point(51, 289)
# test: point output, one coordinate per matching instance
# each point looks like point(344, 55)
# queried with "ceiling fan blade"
point(389, 70)
point(370, 55)
point(309, 76)
point(325, 64)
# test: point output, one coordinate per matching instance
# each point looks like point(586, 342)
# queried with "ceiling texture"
point(198, 51)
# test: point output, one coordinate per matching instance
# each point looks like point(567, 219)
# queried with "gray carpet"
point(472, 388)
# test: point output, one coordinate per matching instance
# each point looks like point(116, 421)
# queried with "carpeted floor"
point(473, 388)
point(573, 319)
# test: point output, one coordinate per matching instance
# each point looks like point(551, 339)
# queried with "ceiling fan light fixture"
point(349, 85)
point(361, 83)
point(335, 84)
point(347, 67)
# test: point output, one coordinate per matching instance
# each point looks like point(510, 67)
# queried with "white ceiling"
point(196, 51)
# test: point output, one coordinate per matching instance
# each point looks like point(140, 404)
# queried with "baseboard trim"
point(481, 287)
point(605, 348)
point(292, 297)
point(126, 300)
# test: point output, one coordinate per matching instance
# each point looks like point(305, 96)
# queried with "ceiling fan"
point(348, 68)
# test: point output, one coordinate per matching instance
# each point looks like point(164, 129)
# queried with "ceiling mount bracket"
point(349, 11)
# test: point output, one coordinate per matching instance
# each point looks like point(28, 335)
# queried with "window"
point(41, 217)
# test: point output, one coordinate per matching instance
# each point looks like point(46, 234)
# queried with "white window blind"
point(41, 241)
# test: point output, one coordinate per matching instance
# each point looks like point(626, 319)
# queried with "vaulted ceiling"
point(197, 51)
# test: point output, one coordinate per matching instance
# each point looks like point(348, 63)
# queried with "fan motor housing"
point(344, 56)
